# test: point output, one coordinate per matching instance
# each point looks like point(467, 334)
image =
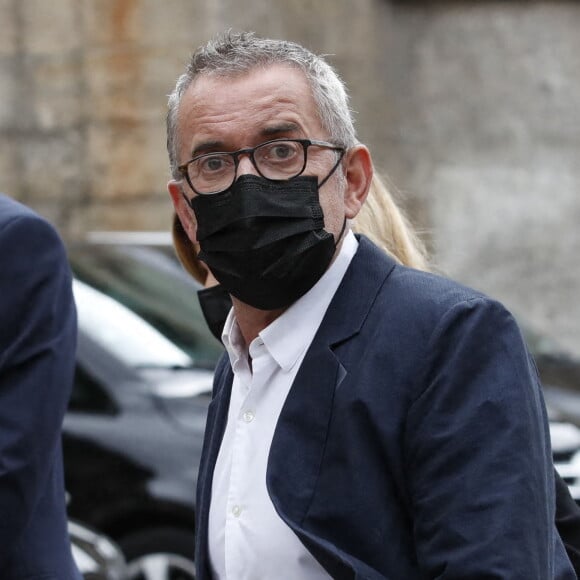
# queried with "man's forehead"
point(264, 97)
point(273, 90)
point(275, 75)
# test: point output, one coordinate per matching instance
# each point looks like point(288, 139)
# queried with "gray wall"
point(471, 107)
point(490, 142)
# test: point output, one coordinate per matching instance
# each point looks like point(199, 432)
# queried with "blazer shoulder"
point(10, 209)
point(405, 301)
point(415, 307)
point(422, 287)
point(401, 287)
point(432, 292)
point(26, 231)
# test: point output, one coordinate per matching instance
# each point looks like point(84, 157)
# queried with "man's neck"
point(252, 320)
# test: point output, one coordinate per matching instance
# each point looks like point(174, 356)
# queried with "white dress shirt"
point(247, 538)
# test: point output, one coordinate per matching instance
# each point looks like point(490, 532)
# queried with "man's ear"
point(358, 171)
point(182, 209)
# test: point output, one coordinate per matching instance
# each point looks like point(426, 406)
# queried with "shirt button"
point(248, 416)
point(236, 511)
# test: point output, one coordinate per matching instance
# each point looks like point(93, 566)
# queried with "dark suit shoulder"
point(35, 278)
point(19, 222)
point(434, 302)
point(414, 315)
point(11, 209)
point(423, 287)
point(416, 298)
point(429, 290)
point(32, 248)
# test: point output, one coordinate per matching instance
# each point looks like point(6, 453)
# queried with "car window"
point(155, 289)
point(120, 330)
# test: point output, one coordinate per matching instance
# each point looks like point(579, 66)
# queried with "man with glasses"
point(368, 420)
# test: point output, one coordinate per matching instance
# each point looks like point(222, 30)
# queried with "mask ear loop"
point(187, 200)
point(342, 153)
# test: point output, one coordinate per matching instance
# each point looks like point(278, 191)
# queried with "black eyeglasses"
point(279, 159)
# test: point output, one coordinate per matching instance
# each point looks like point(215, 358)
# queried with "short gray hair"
point(231, 54)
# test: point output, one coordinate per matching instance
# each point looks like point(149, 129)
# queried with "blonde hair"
point(380, 219)
point(383, 222)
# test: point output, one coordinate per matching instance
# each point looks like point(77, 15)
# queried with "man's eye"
point(210, 164)
point(281, 152)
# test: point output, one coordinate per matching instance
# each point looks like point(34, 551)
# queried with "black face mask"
point(215, 305)
point(264, 241)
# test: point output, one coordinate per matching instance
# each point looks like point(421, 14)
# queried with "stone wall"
point(489, 144)
point(471, 107)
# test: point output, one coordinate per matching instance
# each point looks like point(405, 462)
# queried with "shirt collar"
point(233, 340)
point(288, 337)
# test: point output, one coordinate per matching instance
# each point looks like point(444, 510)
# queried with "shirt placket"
point(237, 516)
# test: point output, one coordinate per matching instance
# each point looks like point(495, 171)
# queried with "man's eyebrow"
point(271, 131)
point(274, 130)
point(207, 146)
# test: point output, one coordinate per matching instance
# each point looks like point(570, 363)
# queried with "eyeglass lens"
point(275, 160)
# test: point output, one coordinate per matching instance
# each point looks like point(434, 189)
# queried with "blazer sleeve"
point(478, 453)
point(37, 356)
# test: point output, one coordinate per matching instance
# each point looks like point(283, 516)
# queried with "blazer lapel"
point(298, 443)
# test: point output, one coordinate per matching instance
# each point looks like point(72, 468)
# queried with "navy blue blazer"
point(414, 441)
point(37, 355)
